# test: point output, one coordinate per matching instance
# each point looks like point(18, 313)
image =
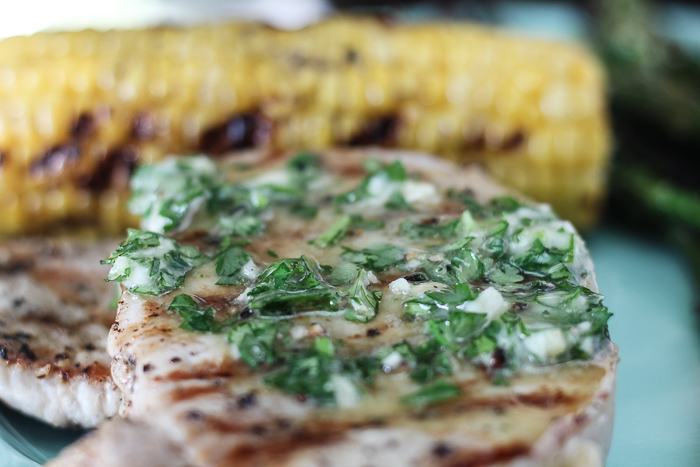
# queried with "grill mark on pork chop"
point(184, 393)
point(56, 313)
point(317, 431)
point(73, 287)
point(478, 458)
point(261, 450)
point(22, 350)
point(226, 369)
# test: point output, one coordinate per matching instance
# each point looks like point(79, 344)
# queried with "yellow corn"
point(78, 110)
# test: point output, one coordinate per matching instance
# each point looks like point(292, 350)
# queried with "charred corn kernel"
point(78, 111)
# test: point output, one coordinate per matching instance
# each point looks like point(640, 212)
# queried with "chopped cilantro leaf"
point(312, 371)
point(343, 275)
point(428, 228)
point(458, 329)
point(307, 373)
point(194, 318)
point(238, 209)
point(290, 286)
point(334, 233)
point(150, 263)
point(304, 167)
point(388, 175)
point(357, 222)
point(549, 262)
point(363, 302)
point(505, 274)
point(394, 171)
point(168, 195)
point(426, 361)
point(303, 210)
point(502, 205)
point(438, 303)
point(456, 266)
point(485, 344)
point(376, 257)
point(397, 202)
point(340, 228)
point(466, 266)
point(440, 391)
point(493, 208)
point(255, 342)
point(229, 265)
point(324, 347)
point(599, 316)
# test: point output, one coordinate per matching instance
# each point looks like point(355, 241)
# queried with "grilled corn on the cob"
point(79, 110)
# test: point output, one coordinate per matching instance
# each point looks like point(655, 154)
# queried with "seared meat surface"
point(55, 314)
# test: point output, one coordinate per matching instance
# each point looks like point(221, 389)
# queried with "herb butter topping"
point(496, 285)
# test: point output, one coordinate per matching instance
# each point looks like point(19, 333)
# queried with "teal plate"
point(648, 288)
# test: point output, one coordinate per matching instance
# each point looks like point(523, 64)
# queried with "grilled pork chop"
point(308, 312)
point(55, 314)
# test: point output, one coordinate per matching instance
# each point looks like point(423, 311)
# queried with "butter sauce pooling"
point(447, 282)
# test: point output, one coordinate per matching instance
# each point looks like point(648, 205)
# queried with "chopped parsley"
point(255, 342)
point(382, 181)
point(495, 207)
point(425, 362)
point(430, 227)
point(549, 262)
point(453, 267)
point(169, 194)
point(334, 233)
point(440, 391)
point(150, 263)
point(437, 303)
point(363, 303)
point(194, 318)
point(499, 285)
point(458, 329)
point(304, 168)
point(376, 258)
point(397, 202)
point(230, 263)
point(291, 286)
point(342, 226)
point(237, 209)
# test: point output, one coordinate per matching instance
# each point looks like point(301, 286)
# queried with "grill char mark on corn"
point(69, 100)
point(242, 131)
point(114, 171)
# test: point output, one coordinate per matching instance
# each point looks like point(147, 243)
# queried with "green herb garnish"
point(440, 391)
point(439, 303)
point(549, 262)
point(195, 318)
point(152, 264)
point(389, 175)
point(168, 194)
point(334, 233)
point(308, 373)
point(255, 342)
point(229, 265)
point(290, 286)
point(376, 257)
point(304, 168)
point(363, 303)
